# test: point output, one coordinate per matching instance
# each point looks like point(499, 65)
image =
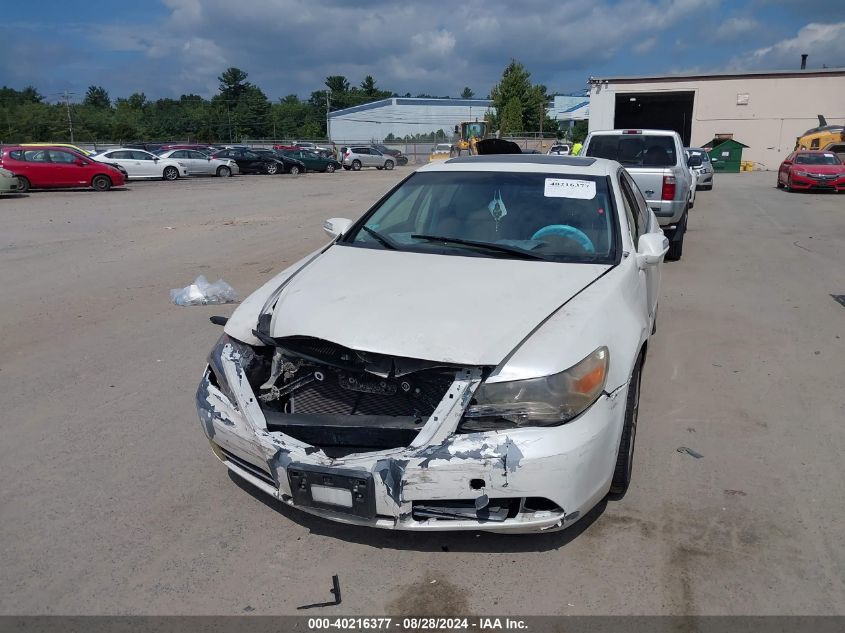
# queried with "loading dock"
point(668, 110)
point(766, 110)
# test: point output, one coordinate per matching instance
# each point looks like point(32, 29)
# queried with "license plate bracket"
point(358, 483)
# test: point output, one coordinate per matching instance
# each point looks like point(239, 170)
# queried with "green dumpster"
point(725, 154)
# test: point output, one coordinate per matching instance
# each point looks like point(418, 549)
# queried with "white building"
point(401, 116)
point(566, 109)
point(766, 111)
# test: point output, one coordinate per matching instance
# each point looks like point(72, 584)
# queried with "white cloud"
point(824, 43)
point(645, 46)
point(735, 27)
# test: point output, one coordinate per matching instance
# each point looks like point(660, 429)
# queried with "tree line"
point(239, 110)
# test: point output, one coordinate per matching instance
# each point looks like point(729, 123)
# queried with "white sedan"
point(200, 164)
point(141, 164)
point(465, 356)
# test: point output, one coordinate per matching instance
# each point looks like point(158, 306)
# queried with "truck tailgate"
point(649, 180)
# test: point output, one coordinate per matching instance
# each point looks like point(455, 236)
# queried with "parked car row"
point(62, 165)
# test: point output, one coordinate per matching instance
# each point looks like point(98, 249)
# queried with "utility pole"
point(328, 121)
point(69, 118)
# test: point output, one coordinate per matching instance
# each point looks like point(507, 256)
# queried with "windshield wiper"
point(499, 248)
point(381, 239)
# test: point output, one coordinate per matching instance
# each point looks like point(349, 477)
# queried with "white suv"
point(355, 158)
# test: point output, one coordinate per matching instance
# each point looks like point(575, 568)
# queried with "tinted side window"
point(630, 204)
point(36, 156)
point(642, 205)
point(141, 156)
point(58, 156)
point(16, 154)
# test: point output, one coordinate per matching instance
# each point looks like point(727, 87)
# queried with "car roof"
point(814, 151)
point(584, 165)
point(650, 132)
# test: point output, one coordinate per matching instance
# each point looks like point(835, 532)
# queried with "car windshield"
point(634, 149)
point(555, 217)
point(817, 159)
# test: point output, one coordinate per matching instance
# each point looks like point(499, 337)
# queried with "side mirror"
point(335, 227)
point(694, 161)
point(651, 249)
point(155, 158)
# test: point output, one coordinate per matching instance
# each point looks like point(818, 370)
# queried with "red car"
point(55, 167)
point(812, 169)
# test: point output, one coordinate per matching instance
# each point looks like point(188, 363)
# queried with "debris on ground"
point(202, 293)
point(690, 452)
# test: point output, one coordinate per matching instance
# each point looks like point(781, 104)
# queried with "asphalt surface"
point(111, 501)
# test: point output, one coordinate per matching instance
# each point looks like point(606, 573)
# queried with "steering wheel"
point(564, 230)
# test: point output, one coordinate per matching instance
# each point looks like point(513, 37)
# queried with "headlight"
point(546, 401)
point(801, 173)
point(255, 363)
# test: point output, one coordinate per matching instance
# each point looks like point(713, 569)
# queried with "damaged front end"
point(378, 440)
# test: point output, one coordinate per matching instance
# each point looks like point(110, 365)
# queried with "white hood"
point(465, 310)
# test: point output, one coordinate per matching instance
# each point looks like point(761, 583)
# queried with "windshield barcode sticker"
point(569, 188)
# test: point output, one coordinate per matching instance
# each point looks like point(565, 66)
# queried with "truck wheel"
point(676, 249)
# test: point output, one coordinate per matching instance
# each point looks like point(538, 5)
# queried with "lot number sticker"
point(569, 188)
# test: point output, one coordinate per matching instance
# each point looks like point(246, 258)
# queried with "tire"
point(676, 249)
point(101, 183)
point(170, 173)
point(346, 167)
point(356, 165)
point(294, 170)
point(224, 172)
point(23, 184)
point(625, 457)
point(388, 165)
point(330, 168)
point(272, 169)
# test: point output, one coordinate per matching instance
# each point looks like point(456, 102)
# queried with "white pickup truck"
point(658, 164)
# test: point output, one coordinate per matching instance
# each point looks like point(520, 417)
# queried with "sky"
point(166, 48)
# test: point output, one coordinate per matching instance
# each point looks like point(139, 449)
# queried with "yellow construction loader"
point(469, 133)
point(821, 137)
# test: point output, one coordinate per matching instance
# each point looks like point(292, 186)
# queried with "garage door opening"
point(656, 110)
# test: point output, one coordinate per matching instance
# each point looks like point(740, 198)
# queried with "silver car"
point(703, 171)
point(355, 158)
point(200, 164)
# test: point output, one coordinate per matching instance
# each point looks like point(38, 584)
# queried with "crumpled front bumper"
point(570, 465)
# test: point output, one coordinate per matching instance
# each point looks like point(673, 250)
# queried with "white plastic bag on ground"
point(202, 293)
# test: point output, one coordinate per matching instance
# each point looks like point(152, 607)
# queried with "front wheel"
point(625, 457)
point(23, 185)
point(356, 165)
point(272, 168)
point(224, 172)
point(388, 165)
point(170, 173)
point(101, 183)
point(295, 170)
point(330, 168)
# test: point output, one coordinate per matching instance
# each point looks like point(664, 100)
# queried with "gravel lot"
point(112, 502)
